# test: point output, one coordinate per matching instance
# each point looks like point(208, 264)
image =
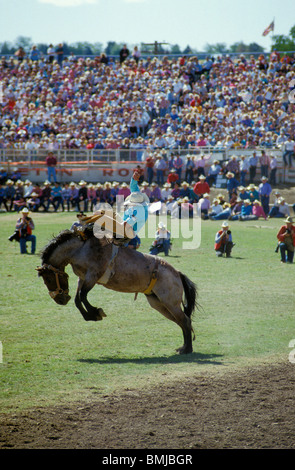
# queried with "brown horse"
point(97, 261)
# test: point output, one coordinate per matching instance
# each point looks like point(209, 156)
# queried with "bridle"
point(57, 272)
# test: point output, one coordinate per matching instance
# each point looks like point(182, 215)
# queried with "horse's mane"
point(62, 237)
point(65, 236)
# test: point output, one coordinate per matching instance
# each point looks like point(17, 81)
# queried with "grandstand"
point(103, 117)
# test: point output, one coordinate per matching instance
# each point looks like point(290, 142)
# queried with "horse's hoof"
point(184, 350)
point(100, 314)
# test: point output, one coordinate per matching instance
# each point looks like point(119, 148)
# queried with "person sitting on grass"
point(257, 209)
point(224, 214)
point(33, 202)
point(283, 209)
point(216, 208)
point(246, 212)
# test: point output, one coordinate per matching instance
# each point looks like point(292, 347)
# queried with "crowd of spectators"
point(55, 101)
point(175, 196)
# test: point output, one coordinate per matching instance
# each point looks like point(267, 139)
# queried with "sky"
point(183, 22)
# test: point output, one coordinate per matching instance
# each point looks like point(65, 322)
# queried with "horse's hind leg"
point(175, 314)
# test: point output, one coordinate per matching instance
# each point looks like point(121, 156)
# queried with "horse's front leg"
point(90, 313)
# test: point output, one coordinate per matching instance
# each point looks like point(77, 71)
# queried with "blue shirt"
point(264, 189)
point(56, 191)
point(244, 195)
point(232, 183)
point(219, 235)
point(135, 215)
point(246, 210)
point(253, 161)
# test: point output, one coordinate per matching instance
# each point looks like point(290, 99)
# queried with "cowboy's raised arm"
point(133, 183)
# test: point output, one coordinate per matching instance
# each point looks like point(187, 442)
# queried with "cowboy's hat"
point(25, 210)
point(136, 198)
point(288, 220)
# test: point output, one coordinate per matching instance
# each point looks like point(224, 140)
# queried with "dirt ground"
point(253, 409)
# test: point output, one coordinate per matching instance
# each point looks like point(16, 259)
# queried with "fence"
point(95, 165)
point(93, 156)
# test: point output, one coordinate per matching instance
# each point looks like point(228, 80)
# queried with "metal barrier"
point(98, 156)
point(95, 165)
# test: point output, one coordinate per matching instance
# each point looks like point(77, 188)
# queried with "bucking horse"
point(119, 268)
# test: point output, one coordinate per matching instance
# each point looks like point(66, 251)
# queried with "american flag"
point(270, 28)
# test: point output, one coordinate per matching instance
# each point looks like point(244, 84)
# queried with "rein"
point(57, 272)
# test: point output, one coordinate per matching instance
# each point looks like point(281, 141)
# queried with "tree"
point(113, 48)
point(238, 47)
point(283, 42)
point(5, 48)
point(175, 49)
point(219, 48)
point(254, 47)
point(24, 42)
point(187, 50)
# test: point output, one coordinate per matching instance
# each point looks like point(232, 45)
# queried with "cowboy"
point(135, 207)
point(223, 241)
point(286, 240)
point(264, 190)
point(25, 225)
point(162, 241)
point(134, 218)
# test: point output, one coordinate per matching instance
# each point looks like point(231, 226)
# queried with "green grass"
point(51, 355)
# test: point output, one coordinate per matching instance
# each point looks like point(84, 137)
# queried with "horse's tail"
point(190, 293)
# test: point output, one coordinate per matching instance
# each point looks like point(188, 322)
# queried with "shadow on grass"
point(175, 359)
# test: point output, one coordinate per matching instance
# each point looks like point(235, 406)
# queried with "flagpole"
point(273, 31)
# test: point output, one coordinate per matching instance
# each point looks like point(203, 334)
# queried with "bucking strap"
point(109, 271)
point(154, 279)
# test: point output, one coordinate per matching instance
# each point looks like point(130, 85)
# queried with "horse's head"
point(56, 282)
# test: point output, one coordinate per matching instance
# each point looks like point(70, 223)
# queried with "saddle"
point(111, 224)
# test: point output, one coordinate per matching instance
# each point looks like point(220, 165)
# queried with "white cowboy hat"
point(136, 198)
point(225, 224)
point(288, 220)
point(161, 226)
point(25, 210)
